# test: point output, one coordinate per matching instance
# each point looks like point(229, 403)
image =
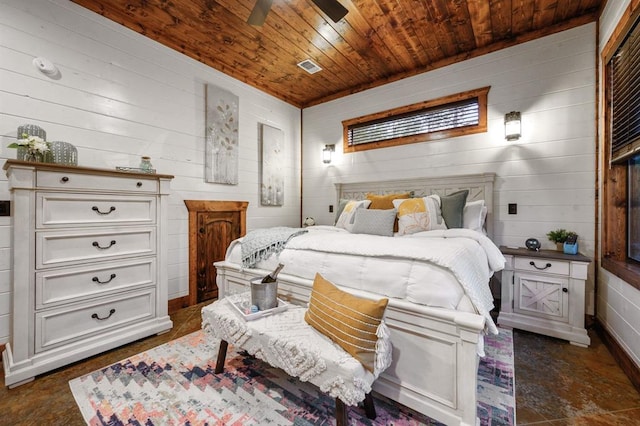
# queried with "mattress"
point(446, 268)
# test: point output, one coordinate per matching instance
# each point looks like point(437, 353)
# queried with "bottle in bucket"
point(264, 291)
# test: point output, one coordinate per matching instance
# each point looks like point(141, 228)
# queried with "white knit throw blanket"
point(259, 244)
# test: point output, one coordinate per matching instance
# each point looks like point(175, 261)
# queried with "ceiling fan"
point(332, 8)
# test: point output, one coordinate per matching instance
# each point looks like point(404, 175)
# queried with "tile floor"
point(556, 383)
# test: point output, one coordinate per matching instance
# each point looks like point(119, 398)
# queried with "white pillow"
point(348, 215)
point(474, 215)
point(419, 214)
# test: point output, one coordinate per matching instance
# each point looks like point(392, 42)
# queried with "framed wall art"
point(221, 153)
point(272, 162)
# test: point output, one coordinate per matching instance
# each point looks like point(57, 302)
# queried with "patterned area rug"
point(174, 384)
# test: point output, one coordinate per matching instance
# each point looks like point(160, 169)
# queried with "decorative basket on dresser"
point(544, 292)
point(89, 263)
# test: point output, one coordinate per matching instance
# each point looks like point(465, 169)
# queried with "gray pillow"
point(452, 206)
point(374, 222)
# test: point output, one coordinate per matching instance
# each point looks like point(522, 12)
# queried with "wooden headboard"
point(480, 187)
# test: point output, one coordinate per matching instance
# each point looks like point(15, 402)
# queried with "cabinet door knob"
point(532, 263)
point(565, 290)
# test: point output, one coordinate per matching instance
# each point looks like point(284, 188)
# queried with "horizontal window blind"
point(625, 97)
point(444, 117)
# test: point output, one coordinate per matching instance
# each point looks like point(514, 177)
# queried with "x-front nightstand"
point(544, 292)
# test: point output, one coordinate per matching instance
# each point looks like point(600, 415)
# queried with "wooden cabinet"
point(89, 263)
point(212, 227)
point(544, 292)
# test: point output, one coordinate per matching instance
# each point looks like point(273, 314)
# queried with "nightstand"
point(544, 292)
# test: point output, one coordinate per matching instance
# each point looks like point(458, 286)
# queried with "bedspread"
point(435, 268)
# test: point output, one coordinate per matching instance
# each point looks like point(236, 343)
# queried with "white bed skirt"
point(435, 361)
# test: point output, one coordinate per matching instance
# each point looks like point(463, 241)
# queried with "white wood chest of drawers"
point(89, 263)
point(544, 292)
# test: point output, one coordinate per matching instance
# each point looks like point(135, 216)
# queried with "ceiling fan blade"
point(332, 8)
point(259, 12)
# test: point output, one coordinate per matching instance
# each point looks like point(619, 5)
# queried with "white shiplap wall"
point(618, 302)
point(549, 172)
point(121, 96)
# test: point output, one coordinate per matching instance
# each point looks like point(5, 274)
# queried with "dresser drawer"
point(65, 180)
point(549, 266)
point(57, 209)
point(58, 286)
point(67, 247)
point(67, 324)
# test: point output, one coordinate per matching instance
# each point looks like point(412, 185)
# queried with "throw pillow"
point(385, 202)
point(341, 205)
point(347, 216)
point(453, 207)
point(349, 321)
point(418, 214)
point(474, 215)
point(374, 222)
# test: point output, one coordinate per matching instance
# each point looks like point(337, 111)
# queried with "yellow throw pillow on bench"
point(350, 321)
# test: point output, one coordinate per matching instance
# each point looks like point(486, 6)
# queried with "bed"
point(437, 334)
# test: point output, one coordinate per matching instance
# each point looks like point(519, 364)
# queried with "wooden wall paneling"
point(549, 172)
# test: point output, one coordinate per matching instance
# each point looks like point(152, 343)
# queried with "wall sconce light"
point(512, 126)
point(326, 153)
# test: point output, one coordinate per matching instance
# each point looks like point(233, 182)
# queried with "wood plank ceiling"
point(378, 41)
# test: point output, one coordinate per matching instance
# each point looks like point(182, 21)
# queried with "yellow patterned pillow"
point(419, 214)
point(350, 321)
point(348, 215)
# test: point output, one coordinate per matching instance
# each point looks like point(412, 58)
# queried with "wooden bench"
point(284, 340)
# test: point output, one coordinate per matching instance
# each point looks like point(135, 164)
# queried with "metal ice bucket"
point(264, 295)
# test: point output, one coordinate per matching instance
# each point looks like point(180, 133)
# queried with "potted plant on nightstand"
point(559, 236)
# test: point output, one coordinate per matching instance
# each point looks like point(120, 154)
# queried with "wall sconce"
point(326, 153)
point(512, 126)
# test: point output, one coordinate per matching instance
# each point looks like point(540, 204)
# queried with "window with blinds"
point(624, 71)
point(455, 115)
point(620, 195)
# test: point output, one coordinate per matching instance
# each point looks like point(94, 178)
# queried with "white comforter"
point(435, 268)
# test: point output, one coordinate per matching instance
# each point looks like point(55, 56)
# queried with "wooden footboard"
point(434, 369)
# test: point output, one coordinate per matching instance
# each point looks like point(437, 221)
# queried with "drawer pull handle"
point(111, 312)
point(139, 184)
point(97, 280)
point(64, 179)
point(97, 210)
point(532, 263)
point(97, 244)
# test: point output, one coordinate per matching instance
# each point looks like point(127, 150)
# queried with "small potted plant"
point(570, 245)
point(559, 236)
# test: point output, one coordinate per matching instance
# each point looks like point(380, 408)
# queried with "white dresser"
point(89, 263)
point(544, 292)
